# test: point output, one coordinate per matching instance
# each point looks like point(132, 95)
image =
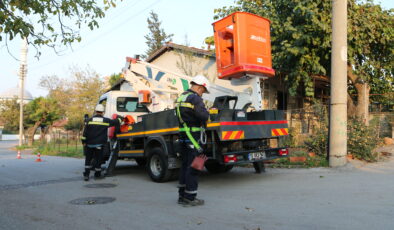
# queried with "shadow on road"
point(238, 175)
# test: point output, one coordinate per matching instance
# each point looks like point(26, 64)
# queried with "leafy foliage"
point(318, 141)
point(77, 96)
point(9, 114)
point(371, 45)
point(42, 110)
point(289, 140)
point(209, 41)
point(301, 39)
point(114, 78)
point(156, 37)
point(362, 140)
point(46, 22)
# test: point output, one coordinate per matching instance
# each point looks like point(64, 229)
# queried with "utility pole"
point(338, 102)
point(22, 75)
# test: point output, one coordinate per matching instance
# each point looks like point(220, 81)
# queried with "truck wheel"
point(157, 166)
point(140, 161)
point(259, 167)
point(214, 167)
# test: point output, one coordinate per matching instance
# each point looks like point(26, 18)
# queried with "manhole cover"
point(93, 200)
point(103, 185)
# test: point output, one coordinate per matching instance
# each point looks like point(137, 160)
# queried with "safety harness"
point(181, 102)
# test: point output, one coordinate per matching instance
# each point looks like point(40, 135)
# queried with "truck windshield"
point(130, 104)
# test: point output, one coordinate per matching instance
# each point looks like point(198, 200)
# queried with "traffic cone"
point(18, 156)
point(39, 157)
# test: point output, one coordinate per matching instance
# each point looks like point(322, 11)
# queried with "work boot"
point(86, 176)
point(181, 200)
point(195, 202)
point(97, 176)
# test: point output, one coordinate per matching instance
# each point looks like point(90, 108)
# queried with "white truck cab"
point(122, 103)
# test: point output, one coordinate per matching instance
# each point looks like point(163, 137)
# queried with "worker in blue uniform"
point(192, 116)
point(95, 137)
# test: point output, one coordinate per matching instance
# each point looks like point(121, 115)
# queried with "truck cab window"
point(130, 104)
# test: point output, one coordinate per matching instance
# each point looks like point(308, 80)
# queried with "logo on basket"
point(258, 38)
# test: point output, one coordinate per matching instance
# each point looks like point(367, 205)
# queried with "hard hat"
point(201, 80)
point(99, 108)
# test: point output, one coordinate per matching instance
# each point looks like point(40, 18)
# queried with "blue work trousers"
point(188, 178)
point(93, 158)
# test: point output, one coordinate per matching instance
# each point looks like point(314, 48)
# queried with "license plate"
point(257, 156)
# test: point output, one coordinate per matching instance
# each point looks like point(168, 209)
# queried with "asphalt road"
point(38, 195)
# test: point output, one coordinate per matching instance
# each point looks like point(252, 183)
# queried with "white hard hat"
point(99, 108)
point(201, 80)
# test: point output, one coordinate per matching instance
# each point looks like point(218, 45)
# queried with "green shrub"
point(362, 139)
point(318, 141)
point(289, 140)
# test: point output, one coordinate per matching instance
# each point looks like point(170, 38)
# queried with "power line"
point(99, 37)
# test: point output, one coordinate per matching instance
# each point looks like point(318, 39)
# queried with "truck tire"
point(259, 167)
point(157, 166)
point(215, 167)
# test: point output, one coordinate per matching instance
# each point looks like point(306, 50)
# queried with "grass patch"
point(311, 162)
point(60, 147)
point(60, 150)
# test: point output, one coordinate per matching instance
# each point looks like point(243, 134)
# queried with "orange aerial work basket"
point(243, 46)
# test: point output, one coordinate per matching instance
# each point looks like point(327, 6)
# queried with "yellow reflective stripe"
point(149, 132)
point(131, 151)
point(213, 124)
point(186, 104)
point(83, 138)
point(98, 123)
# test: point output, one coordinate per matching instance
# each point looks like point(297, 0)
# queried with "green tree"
point(156, 37)
point(42, 111)
point(76, 95)
point(114, 78)
point(46, 22)
point(370, 52)
point(209, 41)
point(301, 43)
point(9, 114)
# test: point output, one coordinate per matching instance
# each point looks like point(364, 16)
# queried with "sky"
point(121, 34)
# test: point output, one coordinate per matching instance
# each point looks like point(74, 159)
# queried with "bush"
point(289, 140)
point(318, 141)
point(362, 139)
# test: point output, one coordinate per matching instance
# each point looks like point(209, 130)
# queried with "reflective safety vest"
point(96, 130)
point(181, 102)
